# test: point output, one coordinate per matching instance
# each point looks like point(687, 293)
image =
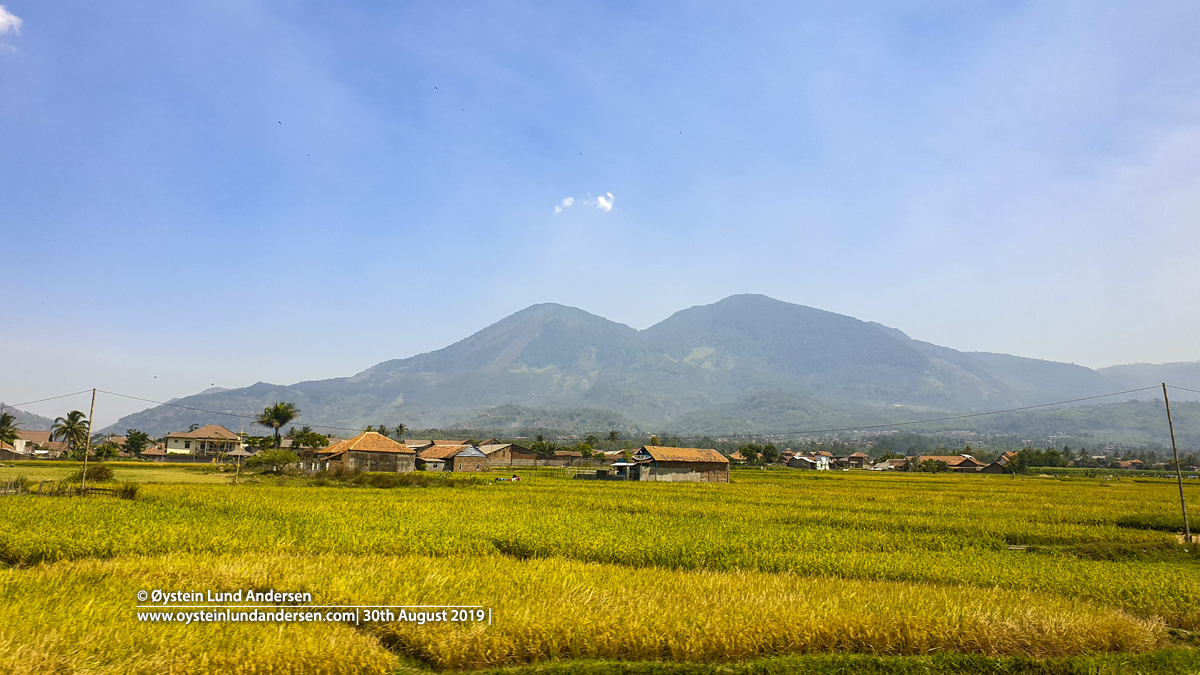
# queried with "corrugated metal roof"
point(442, 451)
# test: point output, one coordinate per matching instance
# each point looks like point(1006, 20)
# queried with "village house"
point(956, 463)
point(813, 460)
point(858, 460)
point(521, 456)
point(452, 458)
point(1132, 464)
point(892, 464)
point(37, 445)
point(368, 451)
point(157, 453)
point(208, 440)
point(656, 463)
point(498, 454)
point(802, 462)
point(1001, 463)
point(8, 453)
point(565, 458)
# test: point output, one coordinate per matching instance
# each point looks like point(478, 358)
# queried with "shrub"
point(96, 473)
point(272, 460)
point(128, 490)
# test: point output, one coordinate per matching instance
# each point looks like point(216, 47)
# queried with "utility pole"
point(87, 447)
point(1187, 528)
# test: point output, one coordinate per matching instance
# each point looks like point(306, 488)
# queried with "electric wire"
point(42, 400)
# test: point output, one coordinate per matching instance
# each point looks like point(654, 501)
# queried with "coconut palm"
point(8, 428)
point(73, 429)
point(400, 430)
point(275, 416)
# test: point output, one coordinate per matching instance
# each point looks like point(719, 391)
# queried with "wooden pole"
point(1187, 529)
point(87, 447)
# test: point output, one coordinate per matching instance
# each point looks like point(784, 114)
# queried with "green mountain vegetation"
point(746, 364)
point(28, 421)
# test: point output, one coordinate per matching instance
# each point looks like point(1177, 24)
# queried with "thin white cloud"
point(9, 21)
point(605, 204)
point(566, 204)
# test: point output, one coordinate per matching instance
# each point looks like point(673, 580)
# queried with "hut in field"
point(702, 465)
point(368, 451)
point(453, 458)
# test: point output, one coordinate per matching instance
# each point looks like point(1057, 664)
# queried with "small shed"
point(701, 465)
point(453, 458)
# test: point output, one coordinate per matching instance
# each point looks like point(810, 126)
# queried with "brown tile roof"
point(367, 441)
point(154, 452)
point(860, 454)
point(6, 446)
point(950, 460)
point(661, 454)
point(438, 451)
point(208, 431)
point(39, 437)
point(567, 453)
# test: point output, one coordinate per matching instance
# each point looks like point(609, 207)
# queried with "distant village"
point(374, 450)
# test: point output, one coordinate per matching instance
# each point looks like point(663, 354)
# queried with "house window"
point(187, 445)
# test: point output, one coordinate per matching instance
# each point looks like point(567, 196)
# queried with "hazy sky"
point(222, 192)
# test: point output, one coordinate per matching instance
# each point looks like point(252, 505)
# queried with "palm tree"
point(612, 437)
point(8, 428)
point(384, 431)
point(276, 416)
point(400, 430)
point(72, 429)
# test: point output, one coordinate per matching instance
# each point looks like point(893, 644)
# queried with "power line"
point(213, 412)
point(42, 400)
point(1184, 389)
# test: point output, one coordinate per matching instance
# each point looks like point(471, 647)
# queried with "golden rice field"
point(896, 569)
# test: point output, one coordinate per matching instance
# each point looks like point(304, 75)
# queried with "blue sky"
point(224, 192)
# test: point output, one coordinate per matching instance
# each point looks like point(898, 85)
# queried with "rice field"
point(776, 565)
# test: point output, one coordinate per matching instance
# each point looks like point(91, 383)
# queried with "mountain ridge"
point(717, 357)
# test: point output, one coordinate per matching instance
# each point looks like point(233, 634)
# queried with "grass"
point(778, 565)
point(132, 472)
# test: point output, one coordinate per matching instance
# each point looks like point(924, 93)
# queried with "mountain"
point(745, 363)
point(29, 421)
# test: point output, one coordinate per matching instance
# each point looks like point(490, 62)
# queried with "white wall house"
point(212, 439)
